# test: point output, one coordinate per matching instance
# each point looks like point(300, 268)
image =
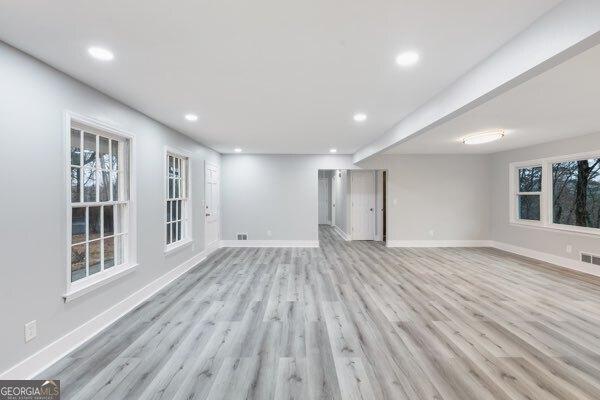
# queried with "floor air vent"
point(242, 236)
point(590, 259)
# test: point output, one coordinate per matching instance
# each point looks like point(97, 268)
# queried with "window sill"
point(177, 246)
point(79, 289)
point(557, 228)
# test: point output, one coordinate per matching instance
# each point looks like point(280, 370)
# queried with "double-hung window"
point(559, 193)
point(99, 208)
point(177, 212)
point(529, 193)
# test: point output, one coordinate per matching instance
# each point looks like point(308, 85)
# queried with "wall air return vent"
point(590, 259)
point(242, 236)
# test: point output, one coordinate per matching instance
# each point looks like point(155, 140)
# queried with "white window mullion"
point(547, 189)
point(81, 157)
point(97, 169)
point(101, 238)
point(110, 170)
point(87, 241)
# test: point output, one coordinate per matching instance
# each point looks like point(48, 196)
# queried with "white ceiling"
point(560, 103)
point(269, 76)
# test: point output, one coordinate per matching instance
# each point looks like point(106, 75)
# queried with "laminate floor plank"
point(351, 320)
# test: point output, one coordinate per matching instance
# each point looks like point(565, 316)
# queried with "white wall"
point(446, 194)
point(277, 193)
point(33, 99)
point(543, 240)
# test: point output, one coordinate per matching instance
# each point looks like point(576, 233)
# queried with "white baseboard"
point(269, 243)
point(438, 243)
point(340, 232)
point(564, 262)
point(56, 350)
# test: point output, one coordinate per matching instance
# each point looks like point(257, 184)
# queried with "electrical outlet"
point(569, 249)
point(269, 233)
point(30, 330)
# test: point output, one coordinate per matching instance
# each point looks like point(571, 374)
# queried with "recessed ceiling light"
point(484, 137)
point(407, 58)
point(237, 150)
point(360, 117)
point(101, 54)
point(191, 117)
point(333, 150)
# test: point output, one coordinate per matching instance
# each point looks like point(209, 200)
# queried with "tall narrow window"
point(576, 193)
point(99, 201)
point(529, 193)
point(177, 200)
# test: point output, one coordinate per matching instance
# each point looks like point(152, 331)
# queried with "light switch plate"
point(30, 330)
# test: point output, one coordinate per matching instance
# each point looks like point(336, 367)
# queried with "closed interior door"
point(324, 193)
point(211, 204)
point(362, 189)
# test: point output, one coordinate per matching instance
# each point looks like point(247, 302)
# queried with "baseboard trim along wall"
point(439, 243)
point(269, 243)
point(564, 262)
point(47, 356)
point(340, 232)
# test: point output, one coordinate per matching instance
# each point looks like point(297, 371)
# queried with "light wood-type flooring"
point(351, 320)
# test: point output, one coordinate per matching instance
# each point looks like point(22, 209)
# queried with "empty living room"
point(309, 200)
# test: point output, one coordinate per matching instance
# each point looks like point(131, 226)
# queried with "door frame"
point(374, 199)
point(332, 194)
point(208, 164)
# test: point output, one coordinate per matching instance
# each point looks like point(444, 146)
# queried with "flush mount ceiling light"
point(237, 150)
point(333, 150)
point(484, 137)
point(191, 117)
point(100, 53)
point(407, 58)
point(360, 117)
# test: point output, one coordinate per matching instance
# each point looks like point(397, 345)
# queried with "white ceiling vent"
point(590, 259)
point(242, 236)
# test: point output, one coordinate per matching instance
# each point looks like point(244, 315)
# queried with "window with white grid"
point(177, 200)
point(99, 186)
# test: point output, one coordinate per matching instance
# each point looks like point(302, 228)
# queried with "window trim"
point(189, 239)
point(80, 287)
point(546, 195)
point(515, 193)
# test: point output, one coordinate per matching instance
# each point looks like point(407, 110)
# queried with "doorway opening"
point(352, 204)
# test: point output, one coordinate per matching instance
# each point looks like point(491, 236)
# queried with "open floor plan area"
point(351, 320)
point(310, 200)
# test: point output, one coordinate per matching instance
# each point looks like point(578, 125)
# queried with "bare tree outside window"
point(576, 193)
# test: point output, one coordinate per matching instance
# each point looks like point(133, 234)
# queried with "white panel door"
point(211, 204)
point(362, 189)
point(324, 192)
